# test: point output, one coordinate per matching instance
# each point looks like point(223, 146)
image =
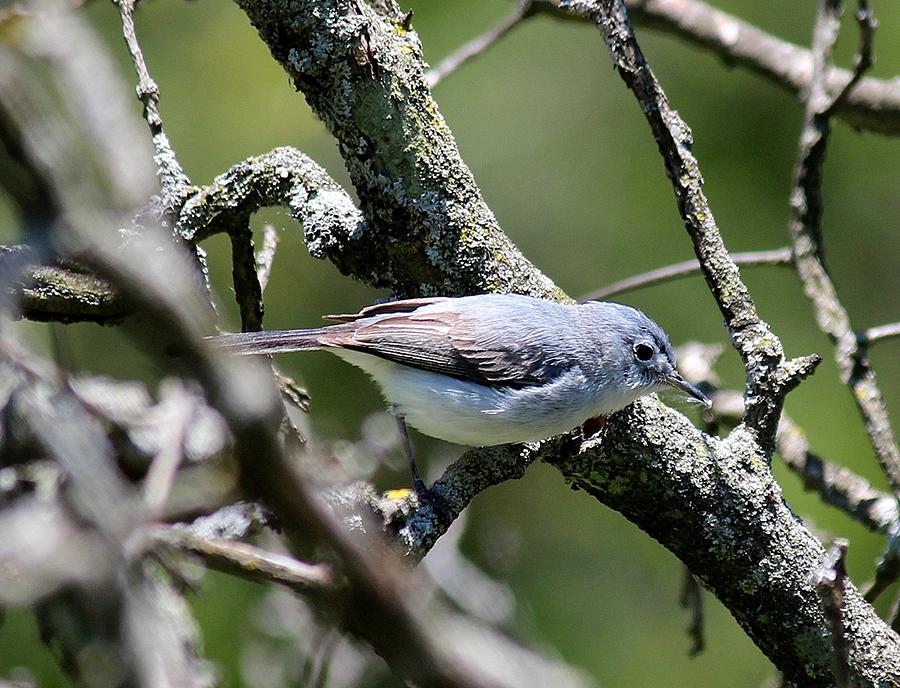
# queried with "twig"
point(865, 55)
point(247, 289)
point(249, 562)
point(887, 571)
point(57, 292)
point(874, 334)
point(174, 181)
point(779, 256)
point(478, 45)
point(830, 579)
point(692, 600)
point(806, 236)
point(164, 467)
point(874, 104)
point(769, 376)
point(836, 485)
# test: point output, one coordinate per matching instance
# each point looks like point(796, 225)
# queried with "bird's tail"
point(270, 342)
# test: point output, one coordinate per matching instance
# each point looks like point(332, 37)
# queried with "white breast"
point(471, 414)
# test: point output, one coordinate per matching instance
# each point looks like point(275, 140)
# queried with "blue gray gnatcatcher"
point(494, 368)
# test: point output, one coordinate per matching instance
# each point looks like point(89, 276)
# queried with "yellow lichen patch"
point(398, 495)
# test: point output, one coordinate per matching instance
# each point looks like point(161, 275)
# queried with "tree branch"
point(248, 562)
point(428, 229)
point(769, 376)
point(779, 256)
point(806, 236)
point(874, 104)
point(478, 45)
point(653, 466)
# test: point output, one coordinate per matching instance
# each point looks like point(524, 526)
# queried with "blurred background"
point(568, 165)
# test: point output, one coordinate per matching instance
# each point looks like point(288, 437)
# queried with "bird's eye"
point(643, 352)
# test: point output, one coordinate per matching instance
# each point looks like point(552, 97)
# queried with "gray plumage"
point(493, 369)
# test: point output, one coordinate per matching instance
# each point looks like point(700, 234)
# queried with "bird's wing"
point(400, 306)
point(470, 345)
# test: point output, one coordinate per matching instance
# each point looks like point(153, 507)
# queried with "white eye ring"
point(643, 351)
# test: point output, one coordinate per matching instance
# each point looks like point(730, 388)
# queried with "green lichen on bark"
point(715, 504)
point(64, 295)
point(363, 74)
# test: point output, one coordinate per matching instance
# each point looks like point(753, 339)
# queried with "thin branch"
point(779, 256)
point(865, 56)
point(478, 45)
point(887, 572)
point(874, 104)
point(174, 181)
point(59, 292)
point(806, 236)
point(157, 486)
point(417, 193)
point(769, 376)
point(837, 486)
point(877, 333)
point(247, 289)
point(249, 562)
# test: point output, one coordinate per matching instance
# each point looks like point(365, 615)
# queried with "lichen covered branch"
point(769, 376)
point(429, 230)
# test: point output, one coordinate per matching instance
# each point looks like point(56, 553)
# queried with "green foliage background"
point(568, 165)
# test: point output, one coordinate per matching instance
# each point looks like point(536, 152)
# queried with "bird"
point(492, 369)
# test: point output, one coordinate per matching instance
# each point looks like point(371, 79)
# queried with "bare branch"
point(174, 181)
point(806, 235)
point(478, 45)
point(247, 289)
point(874, 104)
point(874, 334)
point(58, 292)
point(837, 486)
point(769, 376)
point(428, 229)
point(158, 482)
point(888, 570)
point(779, 256)
point(249, 562)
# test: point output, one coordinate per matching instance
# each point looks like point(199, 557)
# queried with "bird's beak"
point(675, 380)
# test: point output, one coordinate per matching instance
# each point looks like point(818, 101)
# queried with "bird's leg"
point(418, 483)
